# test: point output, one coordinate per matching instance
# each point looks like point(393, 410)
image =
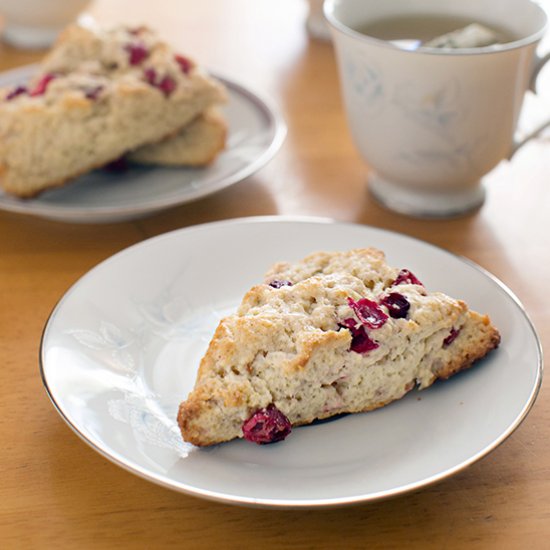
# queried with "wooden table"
point(56, 492)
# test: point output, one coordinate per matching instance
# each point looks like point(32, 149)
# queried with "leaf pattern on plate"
point(149, 426)
point(108, 336)
point(110, 342)
point(167, 317)
point(130, 351)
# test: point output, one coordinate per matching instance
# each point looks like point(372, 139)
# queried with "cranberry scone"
point(97, 97)
point(338, 332)
point(119, 49)
point(197, 144)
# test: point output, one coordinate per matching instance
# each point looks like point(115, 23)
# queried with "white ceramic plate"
point(256, 131)
point(121, 350)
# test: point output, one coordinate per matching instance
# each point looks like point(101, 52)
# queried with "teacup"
point(431, 122)
point(36, 23)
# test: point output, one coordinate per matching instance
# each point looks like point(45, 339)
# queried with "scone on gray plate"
point(338, 332)
point(97, 49)
point(100, 94)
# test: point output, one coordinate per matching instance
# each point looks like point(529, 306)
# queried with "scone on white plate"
point(83, 112)
point(338, 332)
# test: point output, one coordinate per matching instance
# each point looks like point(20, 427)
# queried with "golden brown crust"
point(207, 399)
point(481, 348)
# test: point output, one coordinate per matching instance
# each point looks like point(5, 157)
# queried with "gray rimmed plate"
point(256, 132)
point(122, 347)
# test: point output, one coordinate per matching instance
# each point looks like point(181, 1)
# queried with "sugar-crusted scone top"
point(330, 292)
point(101, 50)
point(367, 264)
point(117, 50)
point(85, 58)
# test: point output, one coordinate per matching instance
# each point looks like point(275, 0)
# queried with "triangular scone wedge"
point(99, 94)
point(336, 333)
point(197, 144)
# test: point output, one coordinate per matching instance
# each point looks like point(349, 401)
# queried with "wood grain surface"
point(56, 492)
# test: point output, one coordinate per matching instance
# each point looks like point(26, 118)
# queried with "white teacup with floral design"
point(431, 122)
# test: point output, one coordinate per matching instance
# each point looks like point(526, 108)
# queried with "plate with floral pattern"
point(121, 349)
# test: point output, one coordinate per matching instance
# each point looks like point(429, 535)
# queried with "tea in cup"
point(433, 91)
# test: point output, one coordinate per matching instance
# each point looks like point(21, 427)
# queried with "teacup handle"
point(540, 61)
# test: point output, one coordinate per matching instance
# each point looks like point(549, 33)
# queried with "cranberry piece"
point(185, 64)
point(360, 340)
point(137, 52)
point(451, 338)
point(267, 426)
point(150, 76)
point(368, 312)
point(93, 93)
point(407, 277)
point(398, 306)
point(276, 283)
point(17, 92)
point(167, 85)
point(348, 323)
point(42, 85)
